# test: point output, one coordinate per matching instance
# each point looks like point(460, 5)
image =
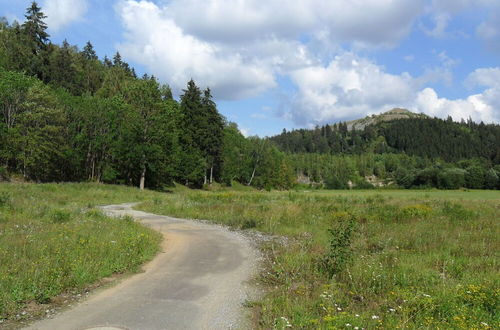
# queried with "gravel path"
point(199, 281)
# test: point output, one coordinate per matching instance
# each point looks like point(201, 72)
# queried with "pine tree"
point(89, 53)
point(35, 28)
point(213, 135)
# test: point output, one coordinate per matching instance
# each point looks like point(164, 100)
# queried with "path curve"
point(199, 281)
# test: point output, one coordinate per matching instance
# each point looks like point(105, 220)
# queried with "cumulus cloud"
point(351, 87)
point(239, 47)
point(159, 43)
point(347, 88)
point(479, 106)
point(242, 48)
point(383, 21)
point(61, 13)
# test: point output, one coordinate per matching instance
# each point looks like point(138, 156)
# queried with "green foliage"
point(60, 216)
point(5, 198)
point(451, 178)
point(50, 245)
point(339, 253)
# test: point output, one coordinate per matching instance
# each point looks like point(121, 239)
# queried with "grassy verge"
point(52, 240)
point(377, 259)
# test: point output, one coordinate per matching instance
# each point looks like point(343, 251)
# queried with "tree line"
point(66, 115)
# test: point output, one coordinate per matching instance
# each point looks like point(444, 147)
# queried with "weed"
point(4, 198)
point(60, 216)
point(339, 252)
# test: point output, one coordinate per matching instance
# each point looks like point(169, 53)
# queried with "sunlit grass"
point(420, 259)
point(52, 239)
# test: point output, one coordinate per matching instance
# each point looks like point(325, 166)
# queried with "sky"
point(290, 64)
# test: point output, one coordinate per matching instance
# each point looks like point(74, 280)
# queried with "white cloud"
point(489, 31)
point(441, 22)
point(484, 77)
point(478, 106)
point(174, 56)
point(348, 87)
point(351, 87)
point(240, 48)
point(61, 13)
point(366, 21)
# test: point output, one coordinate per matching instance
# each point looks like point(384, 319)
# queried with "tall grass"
point(413, 259)
point(52, 240)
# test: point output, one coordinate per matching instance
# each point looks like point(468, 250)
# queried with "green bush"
point(451, 178)
point(4, 174)
point(339, 253)
point(335, 182)
point(60, 216)
point(4, 198)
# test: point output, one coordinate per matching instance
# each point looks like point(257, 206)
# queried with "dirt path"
point(198, 282)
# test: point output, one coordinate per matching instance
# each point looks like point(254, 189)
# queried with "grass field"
point(53, 240)
point(366, 259)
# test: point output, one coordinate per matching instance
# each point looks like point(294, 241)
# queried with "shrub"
point(340, 252)
point(474, 177)
point(60, 216)
point(451, 178)
point(4, 198)
point(335, 182)
point(4, 174)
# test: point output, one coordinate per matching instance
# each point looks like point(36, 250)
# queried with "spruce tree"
point(35, 28)
point(89, 53)
point(213, 135)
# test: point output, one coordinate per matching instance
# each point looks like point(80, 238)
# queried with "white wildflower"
point(375, 317)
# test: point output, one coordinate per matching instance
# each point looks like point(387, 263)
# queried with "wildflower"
point(375, 317)
point(356, 328)
point(484, 323)
point(339, 309)
point(392, 310)
point(348, 325)
point(357, 315)
point(426, 295)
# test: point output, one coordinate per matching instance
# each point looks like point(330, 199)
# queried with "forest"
point(66, 115)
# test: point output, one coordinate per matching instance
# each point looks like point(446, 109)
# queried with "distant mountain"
point(396, 113)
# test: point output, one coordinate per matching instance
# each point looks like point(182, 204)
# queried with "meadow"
point(364, 259)
point(53, 241)
point(333, 259)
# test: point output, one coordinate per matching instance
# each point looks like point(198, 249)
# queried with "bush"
point(339, 254)
point(60, 216)
point(474, 177)
point(334, 182)
point(4, 174)
point(4, 198)
point(362, 184)
point(451, 178)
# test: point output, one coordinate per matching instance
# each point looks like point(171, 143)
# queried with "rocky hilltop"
point(396, 113)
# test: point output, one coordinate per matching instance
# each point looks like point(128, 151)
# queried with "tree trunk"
point(212, 174)
point(143, 178)
point(253, 174)
point(143, 174)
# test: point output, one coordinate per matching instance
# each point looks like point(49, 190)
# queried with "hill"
point(396, 113)
point(398, 131)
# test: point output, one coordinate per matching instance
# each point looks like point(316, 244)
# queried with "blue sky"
point(289, 64)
